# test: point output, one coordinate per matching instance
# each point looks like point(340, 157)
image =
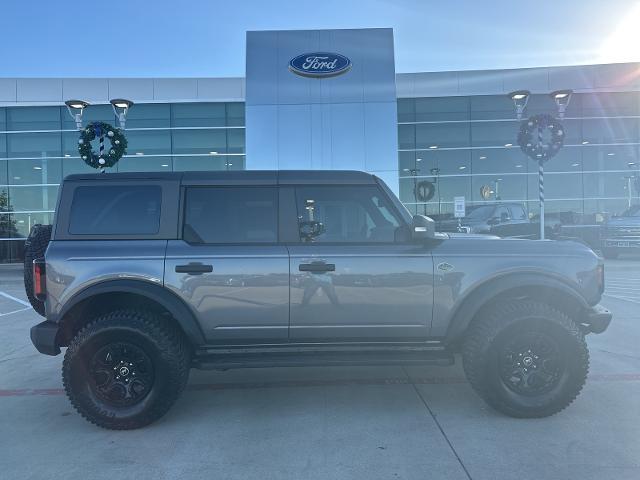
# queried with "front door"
point(229, 266)
point(354, 275)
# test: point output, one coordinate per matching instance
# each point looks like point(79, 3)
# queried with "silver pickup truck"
point(145, 275)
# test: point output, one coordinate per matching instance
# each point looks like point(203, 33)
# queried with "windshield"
point(481, 213)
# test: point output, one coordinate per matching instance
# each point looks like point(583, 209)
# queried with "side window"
point(231, 215)
point(518, 213)
point(502, 213)
point(115, 210)
point(345, 214)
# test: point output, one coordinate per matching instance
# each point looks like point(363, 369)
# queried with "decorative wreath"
point(531, 141)
point(105, 157)
point(424, 191)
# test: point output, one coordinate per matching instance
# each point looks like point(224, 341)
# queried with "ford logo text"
point(319, 65)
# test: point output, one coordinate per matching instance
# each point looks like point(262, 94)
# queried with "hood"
point(464, 221)
point(473, 236)
point(622, 221)
point(491, 244)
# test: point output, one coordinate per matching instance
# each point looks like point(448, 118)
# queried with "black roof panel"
point(238, 177)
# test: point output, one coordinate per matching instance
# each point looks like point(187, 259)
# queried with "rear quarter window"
point(115, 210)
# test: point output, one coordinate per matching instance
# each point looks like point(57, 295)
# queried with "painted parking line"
point(15, 299)
point(626, 299)
point(15, 311)
point(203, 387)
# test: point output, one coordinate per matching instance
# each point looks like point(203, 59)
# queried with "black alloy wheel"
point(121, 374)
point(126, 368)
point(531, 363)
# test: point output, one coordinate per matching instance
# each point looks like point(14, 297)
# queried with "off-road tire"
point(34, 247)
point(163, 343)
point(496, 325)
point(610, 253)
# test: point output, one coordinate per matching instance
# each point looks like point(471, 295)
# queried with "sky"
point(199, 38)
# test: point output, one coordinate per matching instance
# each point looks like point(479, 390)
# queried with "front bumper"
point(622, 242)
point(597, 319)
point(43, 337)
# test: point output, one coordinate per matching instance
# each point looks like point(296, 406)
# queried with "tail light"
point(39, 279)
point(600, 278)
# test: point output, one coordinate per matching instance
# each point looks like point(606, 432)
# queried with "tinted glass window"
point(347, 214)
point(518, 213)
point(231, 215)
point(115, 210)
point(502, 213)
point(482, 212)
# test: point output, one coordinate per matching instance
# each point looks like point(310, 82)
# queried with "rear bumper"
point(597, 319)
point(43, 337)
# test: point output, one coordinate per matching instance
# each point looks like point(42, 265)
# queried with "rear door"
point(228, 265)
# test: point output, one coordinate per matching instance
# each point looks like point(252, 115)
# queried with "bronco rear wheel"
point(125, 369)
point(526, 359)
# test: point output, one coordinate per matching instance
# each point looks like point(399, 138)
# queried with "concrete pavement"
point(319, 423)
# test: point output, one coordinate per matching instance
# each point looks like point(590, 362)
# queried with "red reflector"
point(38, 286)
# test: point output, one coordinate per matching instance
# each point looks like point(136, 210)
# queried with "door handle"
point(317, 267)
point(194, 268)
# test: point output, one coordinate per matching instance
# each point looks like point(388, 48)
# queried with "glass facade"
point(467, 146)
point(38, 148)
point(463, 146)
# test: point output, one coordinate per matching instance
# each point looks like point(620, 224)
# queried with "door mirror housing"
point(493, 221)
point(423, 228)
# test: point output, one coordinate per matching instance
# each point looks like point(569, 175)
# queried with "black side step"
point(225, 361)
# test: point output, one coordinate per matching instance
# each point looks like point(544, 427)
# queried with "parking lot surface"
point(327, 423)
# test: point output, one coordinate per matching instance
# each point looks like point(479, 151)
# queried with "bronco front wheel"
point(125, 369)
point(526, 359)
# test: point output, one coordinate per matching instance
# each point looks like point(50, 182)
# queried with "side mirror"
point(493, 221)
point(423, 228)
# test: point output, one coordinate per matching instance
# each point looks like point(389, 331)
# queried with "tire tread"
point(484, 330)
point(168, 339)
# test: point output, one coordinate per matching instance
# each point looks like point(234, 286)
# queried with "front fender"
point(538, 284)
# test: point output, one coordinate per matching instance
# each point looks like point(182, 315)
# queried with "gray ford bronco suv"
point(146, 275)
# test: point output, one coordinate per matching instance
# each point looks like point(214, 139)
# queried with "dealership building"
point(452, 132)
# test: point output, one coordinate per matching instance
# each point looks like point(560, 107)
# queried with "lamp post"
point(436, 172)
point(121, 107)
point(75, 109)
point(562, 99)
point(520, 99)
point(414, 173)
point(539, 149)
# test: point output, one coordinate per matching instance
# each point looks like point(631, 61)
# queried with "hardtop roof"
point(282, 177)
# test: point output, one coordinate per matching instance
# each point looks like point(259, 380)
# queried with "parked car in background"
point(501, 219)
point(621, 234)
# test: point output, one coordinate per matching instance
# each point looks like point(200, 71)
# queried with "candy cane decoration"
point(541, 186)
point(541, 193)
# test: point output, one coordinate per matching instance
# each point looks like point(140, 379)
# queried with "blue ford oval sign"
point(320, 64)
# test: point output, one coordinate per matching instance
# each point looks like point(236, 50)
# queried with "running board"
point(224, 361)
